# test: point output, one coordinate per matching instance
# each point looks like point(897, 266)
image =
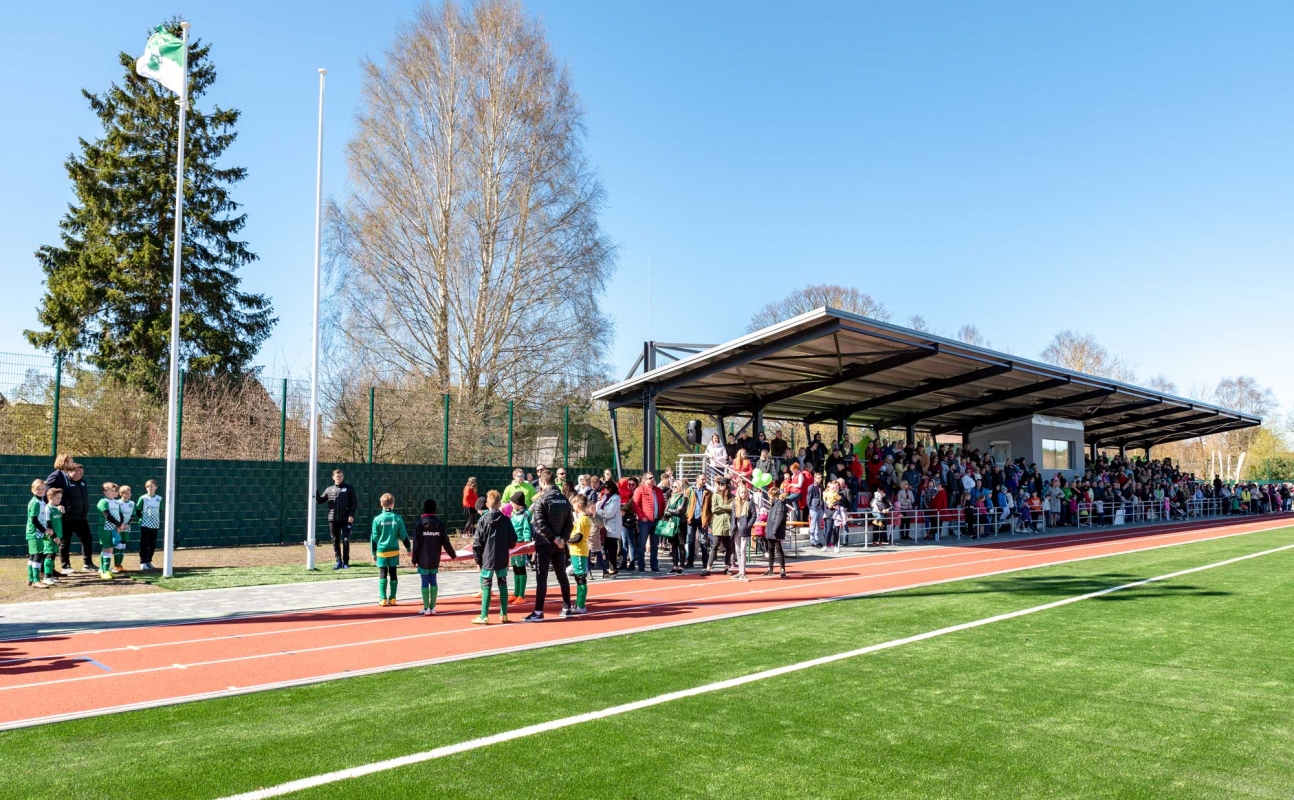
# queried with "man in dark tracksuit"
point(342, 505)
point(76, 502)
point(551, 520)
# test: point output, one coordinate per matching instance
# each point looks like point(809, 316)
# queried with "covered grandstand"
point(833, 366)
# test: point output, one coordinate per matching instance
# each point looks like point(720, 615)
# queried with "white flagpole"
point(314, 344)
point(172, 390)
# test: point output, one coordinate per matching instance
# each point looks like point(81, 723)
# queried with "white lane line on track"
point(625, 708)
point(167, 701)
point(657, 585)
point(866, 558)
point(570, 640)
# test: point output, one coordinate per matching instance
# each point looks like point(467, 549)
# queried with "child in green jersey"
point(109, 534)
point(578, 547)
point(36, 530)
point(149, 511)
point(388, 532)
point(494, 537)
point(126, 513)
point(520, 517)
point(53, 531)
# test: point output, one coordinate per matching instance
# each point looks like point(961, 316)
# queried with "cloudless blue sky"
point(1120, 168)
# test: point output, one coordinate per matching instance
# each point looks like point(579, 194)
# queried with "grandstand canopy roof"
point(829, 364)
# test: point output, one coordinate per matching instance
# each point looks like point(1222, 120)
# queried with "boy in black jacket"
point(429, 539)
point(494, 537)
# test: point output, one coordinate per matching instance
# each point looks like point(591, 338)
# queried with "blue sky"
point(1120, 168)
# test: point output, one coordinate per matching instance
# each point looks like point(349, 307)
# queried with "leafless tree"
point(918, 323)
point(469, 255)
point(1083, 353)
point(801, 301)
point(1161, 384)
point(969, 334)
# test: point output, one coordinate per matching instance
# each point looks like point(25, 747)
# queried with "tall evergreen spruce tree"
point(108, 285)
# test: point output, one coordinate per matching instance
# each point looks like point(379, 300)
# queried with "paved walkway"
point(21, 620)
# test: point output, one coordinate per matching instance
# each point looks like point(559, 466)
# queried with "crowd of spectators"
point(968, 490)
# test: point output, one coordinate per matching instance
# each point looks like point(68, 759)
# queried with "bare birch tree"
point(1083, 353)
point(469, 254)
point(802, 301)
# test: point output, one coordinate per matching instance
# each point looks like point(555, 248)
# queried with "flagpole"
point(172, 388)
point(314, 344)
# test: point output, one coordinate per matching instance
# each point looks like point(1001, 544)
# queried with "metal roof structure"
point(831, 365)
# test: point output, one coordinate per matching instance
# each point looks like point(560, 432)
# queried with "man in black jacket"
point(429, 539)
point(551, 520)
point(70, 477)
point(342, 505)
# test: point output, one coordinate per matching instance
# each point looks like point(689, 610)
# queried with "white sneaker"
point(48, 581)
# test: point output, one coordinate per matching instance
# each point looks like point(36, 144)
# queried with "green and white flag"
point(163, 61)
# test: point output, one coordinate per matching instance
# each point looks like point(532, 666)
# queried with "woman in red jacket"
point(469, 506)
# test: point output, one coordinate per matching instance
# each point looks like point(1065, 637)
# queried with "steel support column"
point(649, 428)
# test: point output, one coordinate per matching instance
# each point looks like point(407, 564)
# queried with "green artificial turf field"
point(1183, 688)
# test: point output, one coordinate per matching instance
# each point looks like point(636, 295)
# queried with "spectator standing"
point(607, 511)
point(470, 497)
point(342, 505)
point(649, 507)
point(716, 453)
point(698, 521)
point(520, 484)
point(551, 521)
point(70, 477)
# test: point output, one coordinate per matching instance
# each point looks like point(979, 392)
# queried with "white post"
point(172, 390)
point(314, 346)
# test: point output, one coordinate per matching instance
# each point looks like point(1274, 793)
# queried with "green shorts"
point(422, 571)
point(34, 547)
point(580, 565)
point(49, 547)
point(519, 561)
point(486, 574)
point(105, 539)
point(388, 561)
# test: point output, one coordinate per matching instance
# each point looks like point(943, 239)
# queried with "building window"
point(1001, 452)
point(1057, 454)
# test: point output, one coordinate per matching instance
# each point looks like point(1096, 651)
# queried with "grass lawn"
point(1175, 689)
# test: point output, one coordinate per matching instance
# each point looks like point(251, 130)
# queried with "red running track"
point(56, 677)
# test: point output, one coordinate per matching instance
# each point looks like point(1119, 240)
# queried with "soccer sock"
point(394, 581)
point(49, 566)
point(31, 571)
point(503, 603)
point(487, 586)
point(434, 591)
point(105, 561)
point(381, 588)
point(118, 556)
point(426, 597)
point(581, 592)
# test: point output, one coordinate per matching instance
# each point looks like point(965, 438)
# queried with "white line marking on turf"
point(296, 682)
point(665, 603)
point(637, 705)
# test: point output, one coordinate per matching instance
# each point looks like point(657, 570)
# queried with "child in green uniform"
point(108, 533)
point(126, 513)
point(494, 537)
point(36, 530)
point(430, 538)
point(578, 546)
point(388, 532)
point(53, 531)
point(521, 524)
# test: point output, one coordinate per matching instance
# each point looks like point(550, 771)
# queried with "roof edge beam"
point(1154, 415)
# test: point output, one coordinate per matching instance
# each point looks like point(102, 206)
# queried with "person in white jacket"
point(606, 512)
point(716, 453)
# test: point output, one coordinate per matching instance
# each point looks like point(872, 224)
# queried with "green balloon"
point(756, 475)
point(763, 480)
